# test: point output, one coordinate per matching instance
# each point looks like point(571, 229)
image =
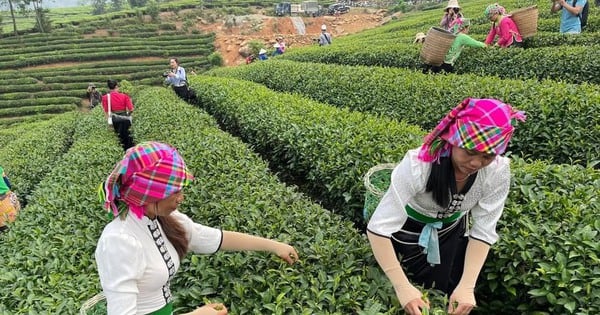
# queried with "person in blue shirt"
point(177, 78)
point(262, 54)
point(570, 22)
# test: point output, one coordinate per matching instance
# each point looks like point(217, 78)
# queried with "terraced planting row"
point(31, 155)
point(56, 89)
point(559, 114)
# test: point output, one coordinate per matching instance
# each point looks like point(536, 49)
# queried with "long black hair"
point(439, 181)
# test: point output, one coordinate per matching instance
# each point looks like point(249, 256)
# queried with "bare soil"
point(231, 41)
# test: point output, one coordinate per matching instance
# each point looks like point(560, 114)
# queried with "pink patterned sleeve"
point(490, 36)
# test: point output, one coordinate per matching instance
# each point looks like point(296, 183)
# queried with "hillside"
point(230, 40)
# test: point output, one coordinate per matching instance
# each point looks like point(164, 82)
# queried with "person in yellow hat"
point(451, 14)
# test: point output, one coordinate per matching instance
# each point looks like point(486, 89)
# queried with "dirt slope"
point(232, 36)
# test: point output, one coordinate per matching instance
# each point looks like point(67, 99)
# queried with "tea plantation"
point(279, 148)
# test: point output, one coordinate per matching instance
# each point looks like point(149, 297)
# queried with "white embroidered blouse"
point(485, 199)
point(136, 261)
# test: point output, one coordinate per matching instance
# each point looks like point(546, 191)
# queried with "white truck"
point(310, 8)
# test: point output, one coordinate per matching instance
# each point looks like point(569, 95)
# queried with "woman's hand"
point(416, 306)
point(210, 309)
point(462, 301)
point(286, 252)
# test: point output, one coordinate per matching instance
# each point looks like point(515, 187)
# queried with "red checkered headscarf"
point(148, 173)
point(484, 125)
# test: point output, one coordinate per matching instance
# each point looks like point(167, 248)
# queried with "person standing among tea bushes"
point(570, 21)
point(440, 212)
point(121, 105)
point(325, 37)
point(451, 15)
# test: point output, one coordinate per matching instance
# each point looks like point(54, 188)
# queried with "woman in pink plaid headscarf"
point(424, 216)
point(139, 252)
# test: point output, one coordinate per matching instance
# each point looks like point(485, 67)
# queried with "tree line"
point(42, 21)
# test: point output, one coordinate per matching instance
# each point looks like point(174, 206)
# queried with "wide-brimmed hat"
point(262, 51)
point(419, 37)
point(452, 4)
point(323, 27)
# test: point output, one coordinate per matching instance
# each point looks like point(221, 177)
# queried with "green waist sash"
point(428, 238)
point(165, 310)
point(425, 219)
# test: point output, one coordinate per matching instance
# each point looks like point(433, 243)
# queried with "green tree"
point(137, 3)
point(42, 21)
point(116, 5)
point(11, 7)
point(153, 10)
point(98, 7)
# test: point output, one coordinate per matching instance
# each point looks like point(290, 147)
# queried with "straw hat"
point(323, 27)
point(262, 51)
point(452, 4)
point(419, 38)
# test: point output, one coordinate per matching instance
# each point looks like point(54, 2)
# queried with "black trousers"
point(122, 130)
point(453, 245)
point(445, 67)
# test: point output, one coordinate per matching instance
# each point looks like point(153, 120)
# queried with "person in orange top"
point(503, 26)
point(9, 203)
point(120, 110)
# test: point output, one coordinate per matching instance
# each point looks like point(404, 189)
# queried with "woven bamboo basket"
point(436, 46)
point(96, 305)
point(376, 180)
point(526, 20)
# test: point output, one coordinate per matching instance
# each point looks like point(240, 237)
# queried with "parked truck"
point(283, 9)
point(310, 8)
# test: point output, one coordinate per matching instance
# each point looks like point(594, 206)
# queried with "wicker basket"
point(526, 20)
point(376, 180)
point(96, 305)
point(436, 46)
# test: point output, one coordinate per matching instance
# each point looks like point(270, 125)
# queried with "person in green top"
point(9, 203)
point(461, 41)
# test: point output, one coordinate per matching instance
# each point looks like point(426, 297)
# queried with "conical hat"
point(452, 4)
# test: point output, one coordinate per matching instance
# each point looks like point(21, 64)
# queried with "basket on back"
point(96, 305)
point(526, 20)
point(436, 46)
point(376, 180)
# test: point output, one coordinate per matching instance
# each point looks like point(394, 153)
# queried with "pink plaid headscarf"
point(484, 125)
point(148, 173)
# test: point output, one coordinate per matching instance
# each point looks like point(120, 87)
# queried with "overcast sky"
point(58, 3)
point(63, 3)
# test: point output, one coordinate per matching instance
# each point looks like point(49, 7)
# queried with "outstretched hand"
point(286, 252)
